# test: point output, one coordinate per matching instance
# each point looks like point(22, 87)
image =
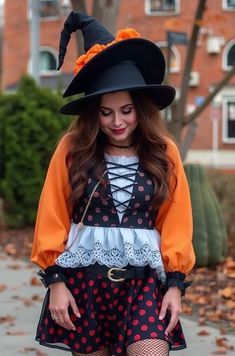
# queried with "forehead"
point(118, 98)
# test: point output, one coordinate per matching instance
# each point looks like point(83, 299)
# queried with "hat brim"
point(162, 96)
point(145, 54)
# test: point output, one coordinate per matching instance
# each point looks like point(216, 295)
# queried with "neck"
point(121, 146)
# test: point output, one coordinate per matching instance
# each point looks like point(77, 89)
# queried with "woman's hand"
point(171, 301)
point(60, 299)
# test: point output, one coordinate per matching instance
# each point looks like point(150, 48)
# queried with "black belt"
point(115, 274)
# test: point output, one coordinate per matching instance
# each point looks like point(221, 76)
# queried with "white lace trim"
point(113, 257)
point(112, 247)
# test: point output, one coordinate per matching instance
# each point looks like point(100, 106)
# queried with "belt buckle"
point(111, 270)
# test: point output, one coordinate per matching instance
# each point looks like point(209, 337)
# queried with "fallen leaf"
point(16, 333)
point(40, 353)
point(203, 333)
point(10, 249)
point(15, 266)
point(33, 349)
point(223, 342)
point(37, 298)
point(27, 302)
point(187, 309)
point(230, 303)
point(6, 319)
point(201, 321)
point(230, 274)
point(202, 300)
point(226, 292)
point(220, 352)
point(35, 282)
point(2, 287)
point(222, 331)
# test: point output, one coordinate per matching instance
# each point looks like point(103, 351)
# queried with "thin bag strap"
point(89, 201)
point(80, 224)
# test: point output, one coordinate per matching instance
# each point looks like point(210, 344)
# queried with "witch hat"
point(110, 64)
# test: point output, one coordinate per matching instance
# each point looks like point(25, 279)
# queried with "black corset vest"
point(102, 211)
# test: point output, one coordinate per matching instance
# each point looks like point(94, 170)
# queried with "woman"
point(110, 234)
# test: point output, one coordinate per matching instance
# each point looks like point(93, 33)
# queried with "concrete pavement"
point(20, 303)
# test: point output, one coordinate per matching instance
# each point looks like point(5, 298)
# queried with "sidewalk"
point(20, 304)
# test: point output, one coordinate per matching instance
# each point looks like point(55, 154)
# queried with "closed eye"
point(104, 112)
point(127, 111)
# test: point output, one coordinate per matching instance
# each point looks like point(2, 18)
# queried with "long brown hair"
point(88, 144)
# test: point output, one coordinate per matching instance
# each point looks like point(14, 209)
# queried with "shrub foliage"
point(30, 126)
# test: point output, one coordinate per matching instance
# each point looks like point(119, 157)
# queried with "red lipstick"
point(118, 131)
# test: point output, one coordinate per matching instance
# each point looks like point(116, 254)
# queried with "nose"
point(117, 120)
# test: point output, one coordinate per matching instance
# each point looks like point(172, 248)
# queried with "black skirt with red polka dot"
point(112, 314)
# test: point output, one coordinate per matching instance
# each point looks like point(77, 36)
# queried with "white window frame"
point(225, 101)
point(225, 6)
point(163, 44)
point(55, 55)
point(50, 18)
point(161, 13)
point(227, 48)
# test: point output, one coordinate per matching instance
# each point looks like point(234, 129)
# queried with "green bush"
point(30, 126)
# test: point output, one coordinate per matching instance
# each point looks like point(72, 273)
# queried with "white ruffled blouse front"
point(114, 246)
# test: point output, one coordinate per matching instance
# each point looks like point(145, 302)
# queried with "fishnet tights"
point(104, 352)
point(149, 347)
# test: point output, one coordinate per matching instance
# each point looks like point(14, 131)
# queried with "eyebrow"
point(122, 107)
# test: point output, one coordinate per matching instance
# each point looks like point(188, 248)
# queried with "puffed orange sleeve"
point(174, 221)
point(53, 216)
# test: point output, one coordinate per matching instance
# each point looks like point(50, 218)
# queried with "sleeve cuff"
point(52, 274)
point(176, 279)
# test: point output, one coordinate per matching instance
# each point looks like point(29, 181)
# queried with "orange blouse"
point(174, 219)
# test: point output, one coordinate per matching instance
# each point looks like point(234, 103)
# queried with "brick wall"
point(16, 49)
point(131, 14)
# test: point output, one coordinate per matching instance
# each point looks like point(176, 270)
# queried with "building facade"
point(214, 138)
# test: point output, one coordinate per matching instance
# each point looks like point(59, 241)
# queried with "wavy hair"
point(88, 144)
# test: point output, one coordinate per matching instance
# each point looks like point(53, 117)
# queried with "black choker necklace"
point(128, 146)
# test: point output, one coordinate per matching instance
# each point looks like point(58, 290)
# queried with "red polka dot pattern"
point(112, 314)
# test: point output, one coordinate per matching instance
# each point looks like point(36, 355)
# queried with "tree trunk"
point(181, 104)
point(79, 5)
point(174, 126)
point(106, 11)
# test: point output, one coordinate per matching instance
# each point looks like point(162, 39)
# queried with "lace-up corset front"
point(126, 200)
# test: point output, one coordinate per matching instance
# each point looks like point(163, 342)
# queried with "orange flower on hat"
point(97, 48)
point(127, 33)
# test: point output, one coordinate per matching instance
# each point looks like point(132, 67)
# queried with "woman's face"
point(117, 117)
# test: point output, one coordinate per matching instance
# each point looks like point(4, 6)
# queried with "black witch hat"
point(111, 64)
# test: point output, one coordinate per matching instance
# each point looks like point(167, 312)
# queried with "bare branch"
point(185, 145)
point(189, 118)
point(189, 60)
point(79, 5)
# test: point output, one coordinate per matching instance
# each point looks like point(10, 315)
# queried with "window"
point(228, 115)
point(162, 7)
point(229, 56)
point(47, 61)
point(175, 56)
point(49, 8)
point(229, 5)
